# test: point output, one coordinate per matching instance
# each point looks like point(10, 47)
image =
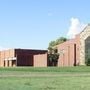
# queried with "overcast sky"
point(34, 23)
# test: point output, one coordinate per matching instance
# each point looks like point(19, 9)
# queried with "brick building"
point(75, 51)
point(72, 52)
point(23, 57)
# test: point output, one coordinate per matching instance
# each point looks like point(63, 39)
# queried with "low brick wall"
point(40, 60)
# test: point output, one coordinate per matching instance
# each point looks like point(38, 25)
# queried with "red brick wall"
point(40, 60)
point(67, 52)
point(25, 57)
point(5, 54)
point(2, 58)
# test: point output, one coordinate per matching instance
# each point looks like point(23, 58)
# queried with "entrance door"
point(13, 63)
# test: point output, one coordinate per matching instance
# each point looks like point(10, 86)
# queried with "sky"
point(34, 23)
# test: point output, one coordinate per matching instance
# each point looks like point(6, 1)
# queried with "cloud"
point(75, 27)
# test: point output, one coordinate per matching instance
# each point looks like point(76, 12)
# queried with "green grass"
point(48, 69)
point(51, 78)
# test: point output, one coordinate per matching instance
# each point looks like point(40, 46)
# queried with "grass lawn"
point(51, 78)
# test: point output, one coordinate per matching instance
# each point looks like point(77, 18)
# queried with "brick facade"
point(40, 60)
point(83, 36)
point(21, 57)
point(72, 52)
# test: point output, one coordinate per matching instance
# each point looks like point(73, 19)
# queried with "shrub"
point(53, 58)
point(88, 62)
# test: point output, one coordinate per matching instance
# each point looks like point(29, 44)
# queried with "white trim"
point(11, 58)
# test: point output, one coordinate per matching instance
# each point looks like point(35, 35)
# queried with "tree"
point(56, 42)
point(51, 44)
point(53, 58)
point(53, 54)
point(60, 40)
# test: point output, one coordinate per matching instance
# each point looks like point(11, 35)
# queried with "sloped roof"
point(85, 28)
